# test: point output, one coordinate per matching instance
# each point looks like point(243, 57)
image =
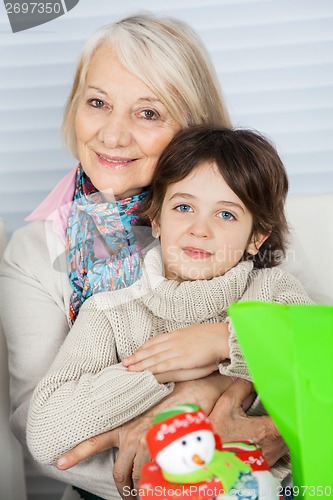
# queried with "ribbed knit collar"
point(189, 301)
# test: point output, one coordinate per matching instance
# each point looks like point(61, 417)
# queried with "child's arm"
point(185, 354)
point(268, 285)
point(184, 375)
point(87, 391)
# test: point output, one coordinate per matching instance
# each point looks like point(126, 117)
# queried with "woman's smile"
point(115, 162)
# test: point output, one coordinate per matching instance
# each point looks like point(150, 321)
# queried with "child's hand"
point(197, 346)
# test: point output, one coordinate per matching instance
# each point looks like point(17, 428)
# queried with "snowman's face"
point(188, 453)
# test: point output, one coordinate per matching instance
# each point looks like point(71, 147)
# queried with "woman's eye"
point(149, 114)
point(226, 215)
point(96, 103)
point(183, 208)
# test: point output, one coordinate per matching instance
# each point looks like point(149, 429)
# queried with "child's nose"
point(200, 229)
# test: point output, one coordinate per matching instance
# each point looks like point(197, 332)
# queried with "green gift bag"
point(289, 352)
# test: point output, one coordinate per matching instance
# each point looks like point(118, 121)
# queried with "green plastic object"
point(289, 352)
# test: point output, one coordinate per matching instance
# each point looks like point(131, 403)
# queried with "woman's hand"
point(185, 375)
point(133, 452)
point(232, 424)
point(130, 437)
point(132, 455)
point(196, 346)
point(88, 448)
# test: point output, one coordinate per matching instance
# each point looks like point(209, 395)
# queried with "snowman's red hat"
point(174, 423)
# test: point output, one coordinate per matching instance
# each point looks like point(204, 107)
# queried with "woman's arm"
point(33, 315)
point(227, 416)
point(87, 391)
point(132, 445)
point(33, 305)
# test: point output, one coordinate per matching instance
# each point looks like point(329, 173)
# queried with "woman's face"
point(121, 127)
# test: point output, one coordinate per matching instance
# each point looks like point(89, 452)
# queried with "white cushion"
point(11, 460)
point(309, 256)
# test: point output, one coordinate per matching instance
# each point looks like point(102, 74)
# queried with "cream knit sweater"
point(87, 391)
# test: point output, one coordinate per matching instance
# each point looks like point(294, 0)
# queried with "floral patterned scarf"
point(92, 219)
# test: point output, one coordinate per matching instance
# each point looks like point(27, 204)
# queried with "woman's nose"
point(115, 131)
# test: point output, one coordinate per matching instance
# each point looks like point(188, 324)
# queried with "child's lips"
point(197, 253)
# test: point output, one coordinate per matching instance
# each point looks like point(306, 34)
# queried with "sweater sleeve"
point(86, 391)
point(267, 285)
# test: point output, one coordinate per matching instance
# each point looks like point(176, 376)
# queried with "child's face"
point(203, 226)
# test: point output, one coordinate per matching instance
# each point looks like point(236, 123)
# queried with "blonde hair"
point(168, 56)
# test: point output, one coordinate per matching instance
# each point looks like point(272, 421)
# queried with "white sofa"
point(12, 481)
point(310, 258)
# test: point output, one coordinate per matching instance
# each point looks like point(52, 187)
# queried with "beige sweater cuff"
point(235, 366)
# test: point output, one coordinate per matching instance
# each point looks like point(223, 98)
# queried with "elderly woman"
point(138, 82)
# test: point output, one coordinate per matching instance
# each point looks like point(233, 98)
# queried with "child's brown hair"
point(251, 167)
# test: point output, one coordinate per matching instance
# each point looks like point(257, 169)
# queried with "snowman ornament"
point(183, 444)
point(188, 453)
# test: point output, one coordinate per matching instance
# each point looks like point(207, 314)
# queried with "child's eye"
point(149, 114)
point(226, 215)
point(96, 103)
point(183, 208)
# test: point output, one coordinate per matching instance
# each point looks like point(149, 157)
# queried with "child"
point(217, 206)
